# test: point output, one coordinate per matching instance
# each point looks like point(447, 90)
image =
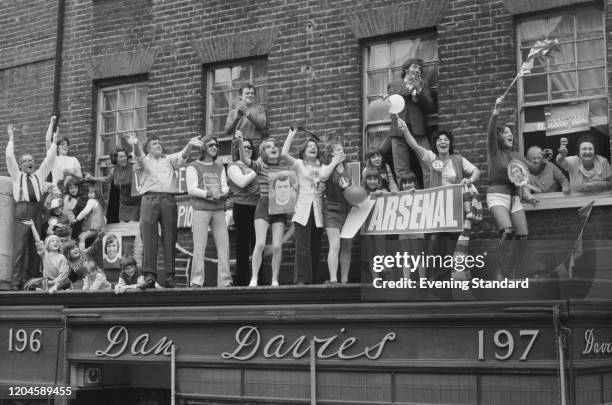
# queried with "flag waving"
point(540, 49)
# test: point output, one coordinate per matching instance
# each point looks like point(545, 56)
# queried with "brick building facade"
point(314, 62)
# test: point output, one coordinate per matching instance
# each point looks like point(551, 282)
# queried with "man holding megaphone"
point(418, 103)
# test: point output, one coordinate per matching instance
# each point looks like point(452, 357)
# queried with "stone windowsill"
point(551, 201)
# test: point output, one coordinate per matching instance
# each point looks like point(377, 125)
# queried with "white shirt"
point(63, 162)
point(158, 174)
point(309, 193)
point(38, 177)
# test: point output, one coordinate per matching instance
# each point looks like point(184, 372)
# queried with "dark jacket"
point(413, 113)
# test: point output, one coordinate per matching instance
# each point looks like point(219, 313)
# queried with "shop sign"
point(119, 343)
point(594, 344)
point(249, 343)
point(566, 119)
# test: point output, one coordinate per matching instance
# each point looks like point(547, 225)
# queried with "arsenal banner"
point(437, 209)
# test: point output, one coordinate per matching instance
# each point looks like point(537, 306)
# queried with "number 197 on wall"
point(19, 340)
point(505, 342)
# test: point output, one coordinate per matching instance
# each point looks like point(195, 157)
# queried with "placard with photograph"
point(111, 250)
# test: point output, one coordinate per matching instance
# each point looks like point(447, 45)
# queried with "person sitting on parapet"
point(545, 176)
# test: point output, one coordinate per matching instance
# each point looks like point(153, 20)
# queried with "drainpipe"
point(561, 335)
point(59, 41)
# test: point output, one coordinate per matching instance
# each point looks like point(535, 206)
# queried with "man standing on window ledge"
point(29, 188)
point(418, 103)
point(158, 185)
point(248, 117)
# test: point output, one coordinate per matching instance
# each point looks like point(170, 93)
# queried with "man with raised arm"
point(248, 117)
point(158, 185)
point(29, 189)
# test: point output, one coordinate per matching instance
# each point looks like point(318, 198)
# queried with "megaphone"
point(396, 104)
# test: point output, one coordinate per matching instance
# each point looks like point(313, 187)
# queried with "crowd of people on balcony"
point(61, 222)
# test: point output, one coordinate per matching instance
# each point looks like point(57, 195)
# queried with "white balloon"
point(396, 103)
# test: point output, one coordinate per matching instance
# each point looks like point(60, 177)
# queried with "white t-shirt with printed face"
point(449, 176)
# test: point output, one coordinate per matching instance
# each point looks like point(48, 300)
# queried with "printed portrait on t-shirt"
point(283, 192)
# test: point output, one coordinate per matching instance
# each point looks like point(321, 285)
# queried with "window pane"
point(141, 96)
point(377, 82)
point(589, 24)
point(218, 123)
point(222, 76)
point(108, 144)
point(109, 123)
point(220, 103)
point(430, 73)
point(563, 59)
point(126, 98)
point(563, 85)
point(592, 81)
point(535, 88)
point(396, 74)
point(376, 135)
point(241, 75)
point(530, 32)
point(110, 101)
point(561, 28)
point(141, 118)
point(598, 108)
point(426, 49)
point(379, 56)
point(261, 95)
point(400, 51)
point(260, 72)
point(126, 120)
point(378, 110)
point(535, 114)
point(591, 53)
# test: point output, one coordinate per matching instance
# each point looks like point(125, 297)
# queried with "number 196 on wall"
point(506, 343)
point(20, 340)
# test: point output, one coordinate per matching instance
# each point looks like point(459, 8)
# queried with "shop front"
point(537, 352)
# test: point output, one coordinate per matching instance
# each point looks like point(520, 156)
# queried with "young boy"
point(132, 278)
point(59, 222)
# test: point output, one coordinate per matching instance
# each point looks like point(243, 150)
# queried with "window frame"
point(431, 118)
point(522, 105)
point(209, 76)
point(102, 162)
point(559, 200)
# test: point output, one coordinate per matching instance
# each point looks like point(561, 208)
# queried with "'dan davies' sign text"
point(250, 343)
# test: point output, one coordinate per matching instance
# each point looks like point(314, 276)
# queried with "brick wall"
point(27, 50)
point(314, 67)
